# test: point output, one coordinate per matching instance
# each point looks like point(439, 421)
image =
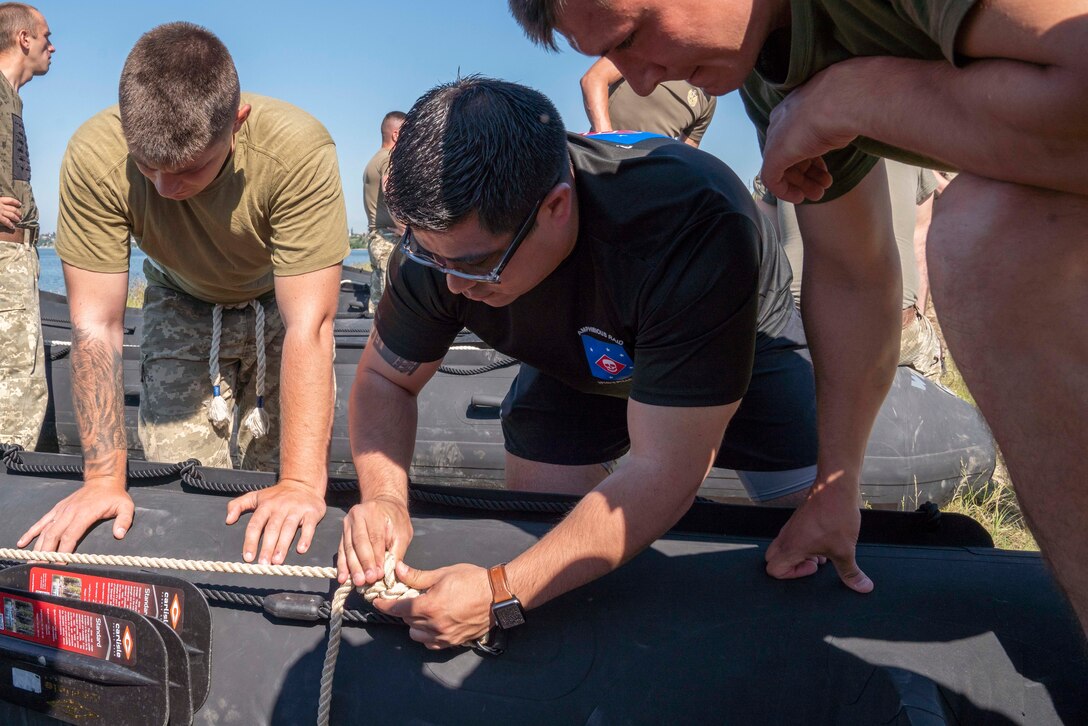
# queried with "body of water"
point(52, 278)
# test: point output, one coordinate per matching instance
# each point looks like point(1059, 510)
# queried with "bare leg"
point(1009, 270)
point(532, 476)
point(923, 218)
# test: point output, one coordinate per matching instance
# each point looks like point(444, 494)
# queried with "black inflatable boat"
point(925, 442)
point(690, 631)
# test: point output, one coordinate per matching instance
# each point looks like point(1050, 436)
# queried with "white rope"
point(336, 610)
point(388, 588)
point(219, 412)
point(257, 420)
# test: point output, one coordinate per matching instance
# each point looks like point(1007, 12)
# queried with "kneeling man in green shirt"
point(236, 200)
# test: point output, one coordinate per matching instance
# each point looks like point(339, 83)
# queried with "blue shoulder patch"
point(607, 361)
point(626, 138)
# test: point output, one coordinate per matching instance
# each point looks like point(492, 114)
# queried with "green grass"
point(136, 294)
point(991, 503)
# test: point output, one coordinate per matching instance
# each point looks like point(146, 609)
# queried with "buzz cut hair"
point(391, 122)
point(13, 18)
point(539, 18)
point(179, 94)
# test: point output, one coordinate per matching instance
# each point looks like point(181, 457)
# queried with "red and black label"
point(161, 602)
point(69, 628)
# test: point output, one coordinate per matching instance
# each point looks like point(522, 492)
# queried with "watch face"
point(508, 614)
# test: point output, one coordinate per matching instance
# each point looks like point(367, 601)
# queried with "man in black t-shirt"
point(638, 285)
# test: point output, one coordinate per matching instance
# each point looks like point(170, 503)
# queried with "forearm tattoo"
point(98, 395)
point(401, 365)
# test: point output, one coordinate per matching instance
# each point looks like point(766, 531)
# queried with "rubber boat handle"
point(482, 400)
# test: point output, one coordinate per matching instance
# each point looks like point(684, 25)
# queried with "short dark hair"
point(475, 145)
point(13, 18)
point(538, 18)
point(179, 93)
point(390, 122)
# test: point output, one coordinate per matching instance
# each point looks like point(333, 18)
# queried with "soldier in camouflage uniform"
point(237, 202)
point(383, 231)
point(25, 52)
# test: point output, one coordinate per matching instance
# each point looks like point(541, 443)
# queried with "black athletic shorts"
point(774, 430)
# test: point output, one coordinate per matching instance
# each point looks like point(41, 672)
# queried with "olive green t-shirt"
point(825, 32)
point(276, 208)
point(377, 213)
point(14, 156)
point(675, 108)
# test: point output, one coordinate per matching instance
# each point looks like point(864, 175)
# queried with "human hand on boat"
point(61, 529)
point(826, 525)
point(371, 529)
point(11, 212)
point(280, 511)
point(454, 606)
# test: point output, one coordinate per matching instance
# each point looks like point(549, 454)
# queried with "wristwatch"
point(504, 606)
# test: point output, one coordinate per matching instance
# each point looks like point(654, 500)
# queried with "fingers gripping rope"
point(336, 614)
point(388, 588)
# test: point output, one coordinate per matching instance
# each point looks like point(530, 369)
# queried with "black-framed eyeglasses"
point(417, 253)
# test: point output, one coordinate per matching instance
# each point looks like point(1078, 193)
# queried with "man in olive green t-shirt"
point(833, 86)
point(237, 202)
point(25, 52)
point(383, 232)
point(674, 108)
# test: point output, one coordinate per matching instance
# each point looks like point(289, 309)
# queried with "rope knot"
point(9, 454)
point(388, 588)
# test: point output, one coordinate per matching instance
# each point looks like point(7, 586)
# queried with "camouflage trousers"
point(920, 348)
point(23, 391)
point(380, 244)
point(176, 390)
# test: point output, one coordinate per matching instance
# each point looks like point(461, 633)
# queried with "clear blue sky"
point(347, 63)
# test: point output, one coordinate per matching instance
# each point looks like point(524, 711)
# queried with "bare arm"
point(595, 84)
point(97, 308)
point(626, 512)
point(382, 426)
point(307, 304)
point(636, 504)
point(851, 310)
point(1016, 114)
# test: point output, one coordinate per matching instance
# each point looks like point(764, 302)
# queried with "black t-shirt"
point(673, 273)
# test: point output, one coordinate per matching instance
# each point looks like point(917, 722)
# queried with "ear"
point(558, 206)
point(22, 38)
point(243, 114)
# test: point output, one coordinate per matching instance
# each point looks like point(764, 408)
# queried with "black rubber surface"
point(692, 630)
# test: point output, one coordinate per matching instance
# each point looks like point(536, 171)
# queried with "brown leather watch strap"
point(500, 590)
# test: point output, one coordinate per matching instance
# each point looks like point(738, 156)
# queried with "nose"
point(167, 185)
point(458, 285)
point(642, 76)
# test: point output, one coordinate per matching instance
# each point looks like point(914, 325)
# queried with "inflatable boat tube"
point(689, 631)
point(925, 443)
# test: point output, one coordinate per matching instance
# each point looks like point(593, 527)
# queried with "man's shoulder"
point(10, 97)
point(98, 145)
point(281, 130)
point(649, 166)
point(379, 160)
